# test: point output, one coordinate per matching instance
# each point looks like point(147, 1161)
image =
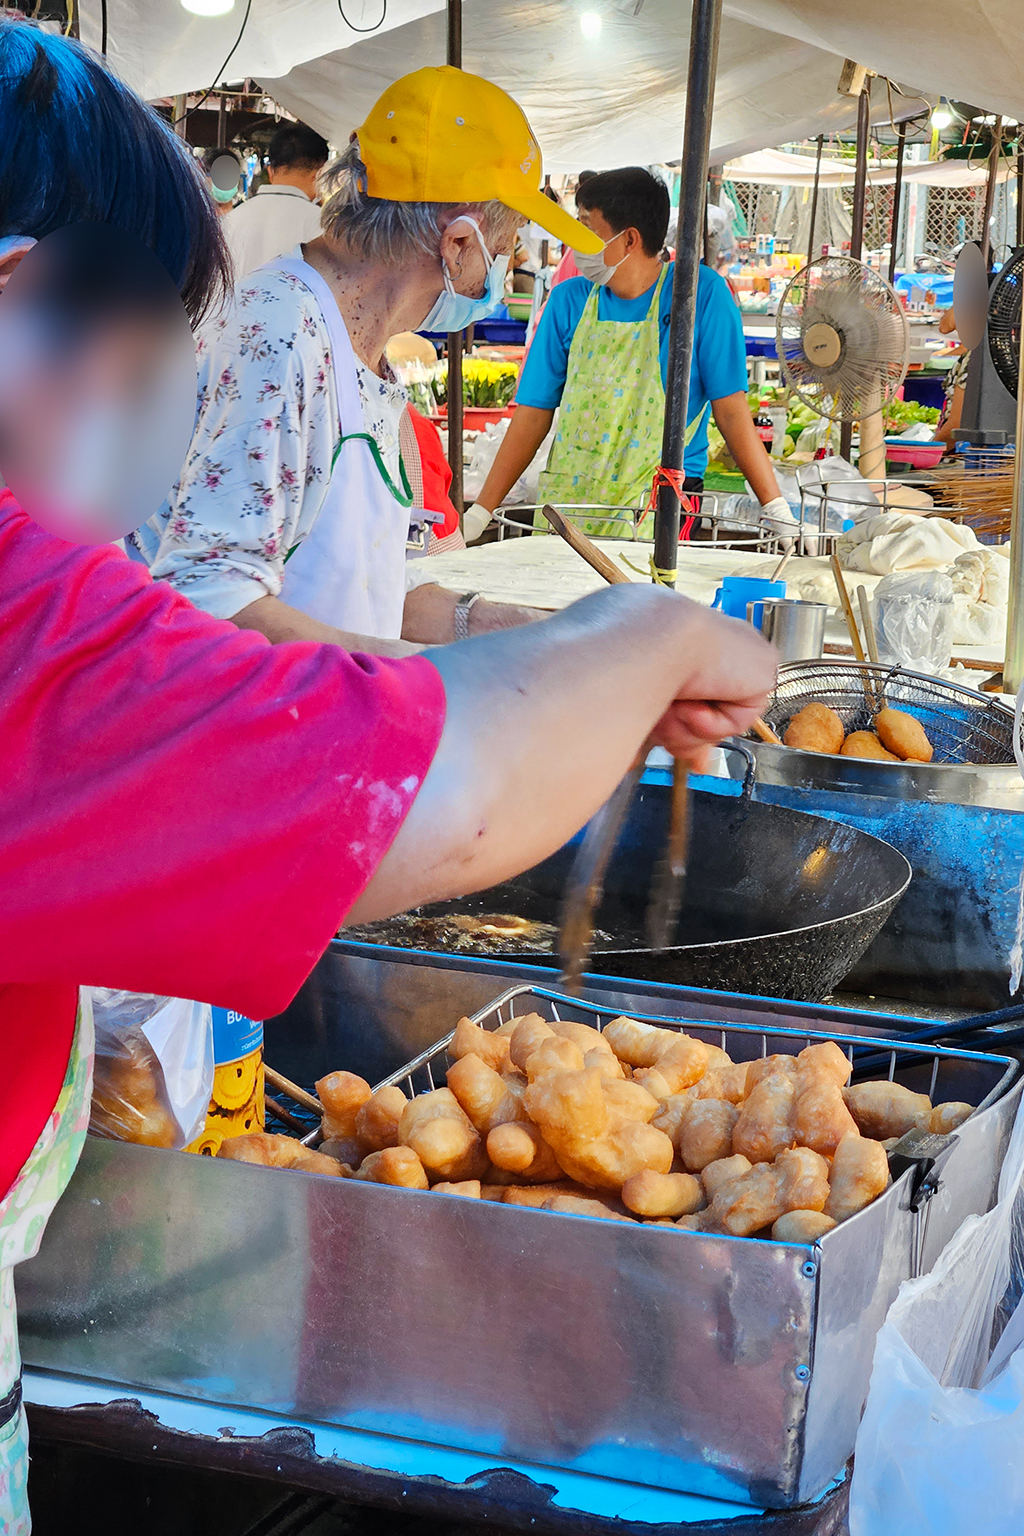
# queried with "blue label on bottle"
point(234, 1036)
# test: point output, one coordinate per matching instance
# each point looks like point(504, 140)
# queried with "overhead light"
point(942, 116)
point(590, 24)
point(208, 7)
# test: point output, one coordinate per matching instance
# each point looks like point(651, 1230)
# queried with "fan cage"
point(963, 726)
point(1003, 324)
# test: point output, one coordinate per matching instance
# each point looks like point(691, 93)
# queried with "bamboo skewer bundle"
point(982, 499)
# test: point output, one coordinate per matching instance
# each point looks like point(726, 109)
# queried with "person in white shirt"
point(284, 213)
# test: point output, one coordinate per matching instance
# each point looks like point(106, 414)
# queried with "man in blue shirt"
point(600, 353)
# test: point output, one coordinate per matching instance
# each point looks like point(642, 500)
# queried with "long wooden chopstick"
point(868, 622)
point(847, 607)
point(285, 1085)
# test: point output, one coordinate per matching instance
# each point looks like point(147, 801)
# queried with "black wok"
point(777, 902)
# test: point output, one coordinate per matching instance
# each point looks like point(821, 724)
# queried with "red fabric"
point(566, 267)
point(437, 474)
point(186, 808)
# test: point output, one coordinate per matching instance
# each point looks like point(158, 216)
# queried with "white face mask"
point(595, 268)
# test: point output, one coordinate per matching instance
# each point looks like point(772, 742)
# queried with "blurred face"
point(97, 384)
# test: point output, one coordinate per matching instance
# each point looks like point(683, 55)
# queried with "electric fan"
point(842, 341)
point(987, 314)
point(1003, 324)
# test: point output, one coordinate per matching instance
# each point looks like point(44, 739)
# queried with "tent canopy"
point(773, 167)
point(603, 100)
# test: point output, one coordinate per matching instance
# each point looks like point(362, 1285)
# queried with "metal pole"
point(814, 199)
point(178, 122)
point(705, 26)
point(1020, 195)
point(455, 338)
point(1013, 666)
point(860, 185)
point(222, 123)
point(896, 194)
point(990, 189)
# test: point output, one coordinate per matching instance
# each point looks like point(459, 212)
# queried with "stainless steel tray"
point(713, 1365)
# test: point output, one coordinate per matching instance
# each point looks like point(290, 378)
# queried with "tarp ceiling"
point(773, 167)
point(601, 101)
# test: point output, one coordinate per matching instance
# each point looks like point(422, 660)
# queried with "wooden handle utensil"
point(847, 607)
point(584, 547)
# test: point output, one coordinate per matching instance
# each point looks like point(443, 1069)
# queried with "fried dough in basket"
point(903, 735)
point(815, 728)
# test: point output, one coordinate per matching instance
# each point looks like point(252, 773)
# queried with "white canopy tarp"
point(598, 101)
point(774, 167)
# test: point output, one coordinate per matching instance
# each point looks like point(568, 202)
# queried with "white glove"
point(778, 511)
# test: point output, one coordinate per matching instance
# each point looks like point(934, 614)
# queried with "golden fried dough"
point(815, 729)
point(519, 1148)
point(484, 1094)
point(671, 1114)
point(630, 1100)
point(748, 1203)
point(278, 1152)
point(882, 1110)
point(765, 1124)
point(803, 1177)
point(722, 1172)
point(860, 1172)
point(683, 1061)
point(584, 1035)
point(663, 1194)
point(398, 1166)
point(636, 1043)
point(705, 1136)
point(651, 1079)
point(820, 1117)
point(866, 744)
point(342, 1095)
point(769, 1066)
point(608, 1162)
point(722, 1083)
point(827, 1058)
point(378, 1119)
point(442, 1135)
point(947, 1117)
point(802, 1226)
point(345, 1150)
point(491, 1046)
point(468, 1187)
point(576, 1205)
point(129, 1099)
point(554, 1055)
point(605, 1062)
point(901, 734)
point(528, 1034)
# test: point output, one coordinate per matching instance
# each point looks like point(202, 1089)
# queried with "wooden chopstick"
point(764, 730)
point(868, 622)
point(285, 1085)
point(584, 547)
point(847, 607)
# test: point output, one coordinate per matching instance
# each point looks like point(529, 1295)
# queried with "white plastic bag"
point(939, 1452)
point(915, 619)
point(154, 1067)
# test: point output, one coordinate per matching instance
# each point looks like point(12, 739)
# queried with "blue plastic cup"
point(736, 592)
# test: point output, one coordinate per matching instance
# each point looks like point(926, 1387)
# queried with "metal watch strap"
point(462, 606)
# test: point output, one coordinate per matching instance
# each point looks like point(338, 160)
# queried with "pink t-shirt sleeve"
point(186, 808)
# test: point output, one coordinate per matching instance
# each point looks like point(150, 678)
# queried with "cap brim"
point(550, 216)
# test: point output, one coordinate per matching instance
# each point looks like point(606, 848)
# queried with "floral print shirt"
point(260, 458)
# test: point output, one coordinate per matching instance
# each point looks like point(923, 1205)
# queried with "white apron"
point(349, 570)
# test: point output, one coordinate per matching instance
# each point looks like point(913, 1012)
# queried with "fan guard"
point(841, 338)
point(1004, 320)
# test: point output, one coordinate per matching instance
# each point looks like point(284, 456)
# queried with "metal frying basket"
point(963, 726)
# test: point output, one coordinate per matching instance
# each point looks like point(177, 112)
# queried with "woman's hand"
point(724, 694)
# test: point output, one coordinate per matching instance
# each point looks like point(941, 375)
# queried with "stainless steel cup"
point(796, 629)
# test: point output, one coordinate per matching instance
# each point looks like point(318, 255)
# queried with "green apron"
point(611, 419)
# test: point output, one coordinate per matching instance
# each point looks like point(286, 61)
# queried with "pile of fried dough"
point(635, 1122)
point(897, 736)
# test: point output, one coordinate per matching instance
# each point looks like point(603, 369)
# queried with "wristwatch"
point(462, 606)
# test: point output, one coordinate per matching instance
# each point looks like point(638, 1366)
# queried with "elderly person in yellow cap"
point(292, 514)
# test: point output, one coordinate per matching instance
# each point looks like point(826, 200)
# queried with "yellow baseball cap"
point(441, 135)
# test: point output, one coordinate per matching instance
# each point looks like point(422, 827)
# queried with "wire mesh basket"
point(599, 521)
point(963, 726)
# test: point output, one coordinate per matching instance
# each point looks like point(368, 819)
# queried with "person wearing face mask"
point(600, 354)
point(293, 511)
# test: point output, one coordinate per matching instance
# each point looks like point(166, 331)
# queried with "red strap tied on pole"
point(689, 504)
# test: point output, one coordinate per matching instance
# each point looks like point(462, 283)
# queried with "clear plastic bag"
point(154, 1067)
point(915, 620)
point(939, 1447)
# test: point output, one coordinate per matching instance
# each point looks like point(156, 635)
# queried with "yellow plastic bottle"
point(237, 1104)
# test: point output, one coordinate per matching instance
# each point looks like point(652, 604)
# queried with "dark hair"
point(585, 176)
point(77, 145)
point(295, 144)
point(630, 198)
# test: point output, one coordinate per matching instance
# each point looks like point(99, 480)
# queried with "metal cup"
point(796, 629)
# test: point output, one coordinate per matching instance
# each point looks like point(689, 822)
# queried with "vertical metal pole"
point(178, 122)
point(990, 189)
point(705, 26)
point(455, 338)
point(814, 198)
point(860, 185)
point(897, 192)
point(1020, 195)
point(1013, 666)
point(222, 123)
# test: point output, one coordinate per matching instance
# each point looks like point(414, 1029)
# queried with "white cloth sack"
point(939, 1452)
point(904, 541)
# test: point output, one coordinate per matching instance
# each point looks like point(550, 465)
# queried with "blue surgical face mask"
point(455, 311)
